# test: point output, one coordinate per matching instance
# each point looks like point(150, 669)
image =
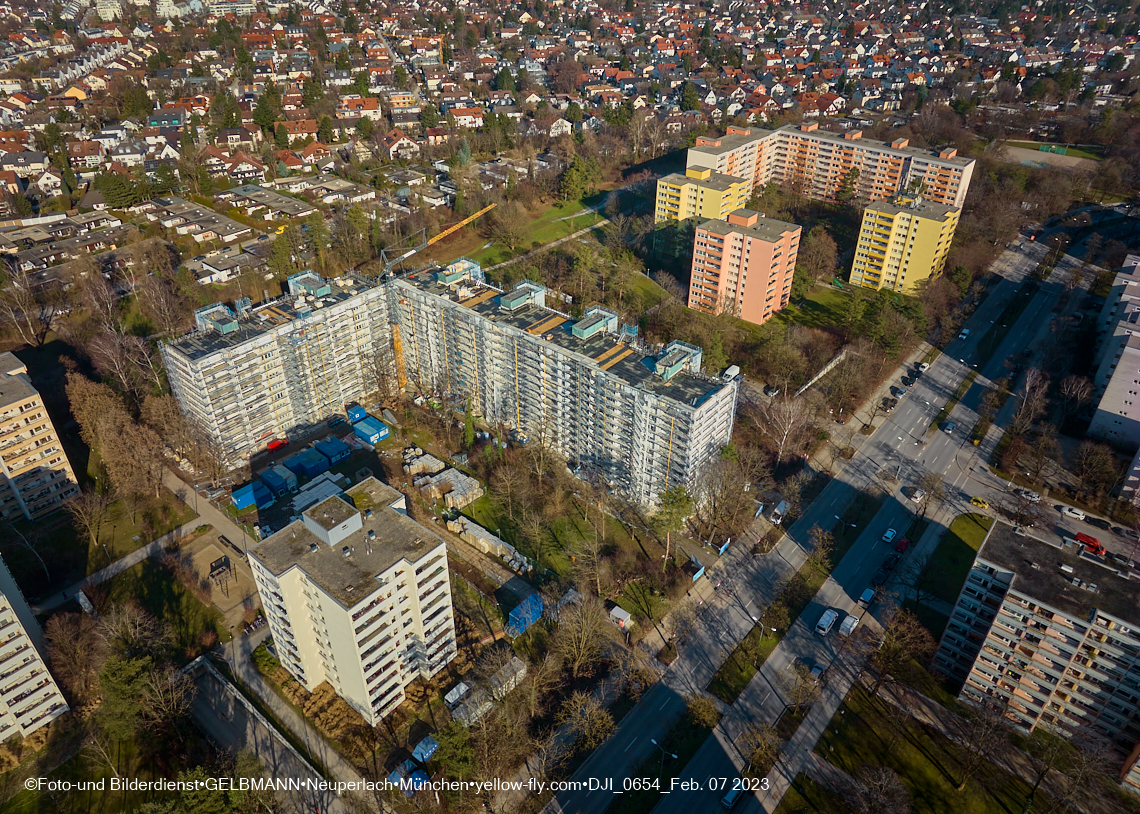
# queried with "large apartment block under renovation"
point(35, 475)
point(830, 166)
point(642, 420)
point(253, 374)
point(29, 696)
point(1054, 632)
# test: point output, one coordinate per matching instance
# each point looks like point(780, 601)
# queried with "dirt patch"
point(233, 591)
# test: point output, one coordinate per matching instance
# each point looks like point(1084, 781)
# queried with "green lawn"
point(823, 308)
point(805, 796)
point(929, 765)
point(70, 557)
point(948, 567)
point(157, 591)
point(552, 223)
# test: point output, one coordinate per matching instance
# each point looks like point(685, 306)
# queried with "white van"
point(777, 516)
point(848, 626)
point(826, 622)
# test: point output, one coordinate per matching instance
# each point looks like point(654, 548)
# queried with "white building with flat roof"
point(358, 594)
point(1116, 382)
point(29, 696)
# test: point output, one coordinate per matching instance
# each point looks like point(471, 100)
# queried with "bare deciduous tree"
point(800, 687)
point(785, 421)
point(904, 638)
point(583, 634)
point(29, 312)
point(760, 745)
point(88, 510)
point(1076, 392)
point(1032, 401)
point(587, 720)
point(74, 648)
point(985, 733)
point(878, 790)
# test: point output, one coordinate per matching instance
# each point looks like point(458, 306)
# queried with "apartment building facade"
point(685, 200)
point(35, 475)
point(1054, 634)
point(743, 265)
point(832, 167)
point(358, 594)
point(903, 242)
point(29, 696)
point(1116, 383)
point(258, 373)
point(641, 421)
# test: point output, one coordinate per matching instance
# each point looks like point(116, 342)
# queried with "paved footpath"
point(208, 514)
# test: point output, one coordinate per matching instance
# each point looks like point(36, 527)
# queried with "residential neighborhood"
point(569, 407)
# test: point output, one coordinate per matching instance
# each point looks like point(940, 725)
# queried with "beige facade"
point(29, 696)
point(830, 166)
point(357, 594)
point(1052, 632)
point(35, 475)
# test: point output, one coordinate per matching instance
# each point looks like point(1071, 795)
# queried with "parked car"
point(891, 561)
point(335, 421)
point(898, 392)
point(199, 258)
point(826, 622)
point(866, 598)
point(1097, 522)
point(816, 672)
point(902, 545)
point(1032, 497)
point(732, 797)
point(908, 381)
point(1069, 511)
point(848, 625)
point(979, 502)
point(965, 333)
point(277, 443)
point(923, 367)
point(949, 427)
point(880, 577)
point(917, 495)
point(263, 237)
point(770, 391)
point(889, 536)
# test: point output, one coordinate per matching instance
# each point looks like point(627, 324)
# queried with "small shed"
point(287, 476)
point(252, 494)
point(333, 448)
point(356, 412)
point(309, 463)
point(621, 618)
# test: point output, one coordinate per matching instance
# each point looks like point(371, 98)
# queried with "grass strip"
point(1004, 324)
point(683, 740)
point(948, 408)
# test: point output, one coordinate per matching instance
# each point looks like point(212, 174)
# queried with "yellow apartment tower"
point(902, 242)
point(35, 476)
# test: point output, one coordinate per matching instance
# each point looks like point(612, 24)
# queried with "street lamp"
point(661, 768)
point(840, 519)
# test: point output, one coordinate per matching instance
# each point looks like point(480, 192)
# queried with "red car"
point(902, 545)
point(277, 443)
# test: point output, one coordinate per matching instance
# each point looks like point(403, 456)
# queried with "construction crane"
point(389, 264)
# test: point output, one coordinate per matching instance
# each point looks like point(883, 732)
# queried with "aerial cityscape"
point(569, 407)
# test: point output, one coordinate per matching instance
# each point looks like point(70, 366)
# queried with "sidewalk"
point(547, 246)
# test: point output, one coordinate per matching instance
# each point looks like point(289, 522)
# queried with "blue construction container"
point(309, 463)
point(369, 430)
point(252, 494)
point(425, 749)
point(525, 614)
point(333, 448)
point(356, 412)
point(277, 484)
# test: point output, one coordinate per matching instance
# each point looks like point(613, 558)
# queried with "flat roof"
point(13, 386)
point(635, 367)
point(1115, 594)
point(717, 180)
point(262, 319)
point(330, 512)
point(737, 140)
point(350, 579)
point(769, 230)
point(923, 207)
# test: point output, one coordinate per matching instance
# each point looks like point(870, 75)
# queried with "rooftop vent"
point(312, 546)
point(348, 588)
point(1068, 569)
point(346, 551)
point(371, 534)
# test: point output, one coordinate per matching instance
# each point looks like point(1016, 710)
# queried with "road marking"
point(631, 743)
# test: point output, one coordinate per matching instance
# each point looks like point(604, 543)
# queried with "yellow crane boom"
point(452, 229)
